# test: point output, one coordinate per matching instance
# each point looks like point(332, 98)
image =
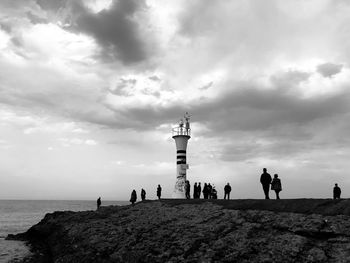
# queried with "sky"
point(90, 90)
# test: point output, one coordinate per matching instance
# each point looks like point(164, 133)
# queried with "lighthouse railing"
point(181, 131)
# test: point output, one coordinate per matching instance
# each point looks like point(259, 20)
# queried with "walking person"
point(336, 192)
point(265, 180)
point(227, 190)
point(133, 197)
point(143, 194)
point(98, 203)
point(159, 191)
point(276, 185)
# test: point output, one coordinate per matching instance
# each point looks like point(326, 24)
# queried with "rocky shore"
point(302, 230)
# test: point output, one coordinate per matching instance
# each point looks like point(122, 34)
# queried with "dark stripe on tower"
point(181, 151)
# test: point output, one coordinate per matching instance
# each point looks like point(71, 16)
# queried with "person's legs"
point(277, 194)
point(266, 190)
point(228, 196)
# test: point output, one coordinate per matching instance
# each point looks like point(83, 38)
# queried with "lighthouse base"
point(179, 190)
point(179, 195)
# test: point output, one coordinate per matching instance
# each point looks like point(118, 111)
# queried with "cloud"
point(245, 108)
point(328, 70)
point(121, 27)
point(207, 86)
point(124, 87)
point(118, 30)
point(67, 142)
point(289, 79)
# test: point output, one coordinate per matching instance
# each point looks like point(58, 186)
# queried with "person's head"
point(264, 170)
point(228, 183)
point(276, 176)
point(336, 185)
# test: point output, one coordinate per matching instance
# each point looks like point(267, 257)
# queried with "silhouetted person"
point(143, 194)
point(205, 191)
point(133, 197)
point(159, 191)
point(199, 190)
point(209, 190)
point(276, 185)
point(187, 189)
point(98, 203)
point(214, 193)
point(336, 192)
point(265, 180)
point(195, 191)
point(227, 190)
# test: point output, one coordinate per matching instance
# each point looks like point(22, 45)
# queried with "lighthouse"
point(181, 135)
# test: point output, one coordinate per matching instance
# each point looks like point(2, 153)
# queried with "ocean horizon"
point(17, 216)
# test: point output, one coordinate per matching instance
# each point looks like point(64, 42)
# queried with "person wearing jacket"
point(276, 185)
point(265, 180)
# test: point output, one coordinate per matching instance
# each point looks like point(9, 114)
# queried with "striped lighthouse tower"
point(181, 135)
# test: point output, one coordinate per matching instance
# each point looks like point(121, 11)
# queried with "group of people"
point(276, 185)
point(133, 197)
point(266, 181)
point(209, 191)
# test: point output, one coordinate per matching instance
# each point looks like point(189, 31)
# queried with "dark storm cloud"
point(117, 31)
point(328, 70)
point(245, 109)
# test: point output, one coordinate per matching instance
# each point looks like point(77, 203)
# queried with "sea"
point(17, 216)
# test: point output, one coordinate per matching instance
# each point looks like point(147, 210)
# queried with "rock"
point(171, 231)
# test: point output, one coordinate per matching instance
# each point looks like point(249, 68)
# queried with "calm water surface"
point(17, 216)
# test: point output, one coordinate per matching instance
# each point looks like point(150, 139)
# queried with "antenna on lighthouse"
point(181, 135)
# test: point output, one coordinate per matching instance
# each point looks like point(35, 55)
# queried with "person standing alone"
point(143, 194)
point(336, 192)
point(227, 190)
point(98, 203)
point(159, 191)
point(265, 180)
point(133, 197)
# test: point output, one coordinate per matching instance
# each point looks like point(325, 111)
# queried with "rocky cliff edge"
point(303, 230)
